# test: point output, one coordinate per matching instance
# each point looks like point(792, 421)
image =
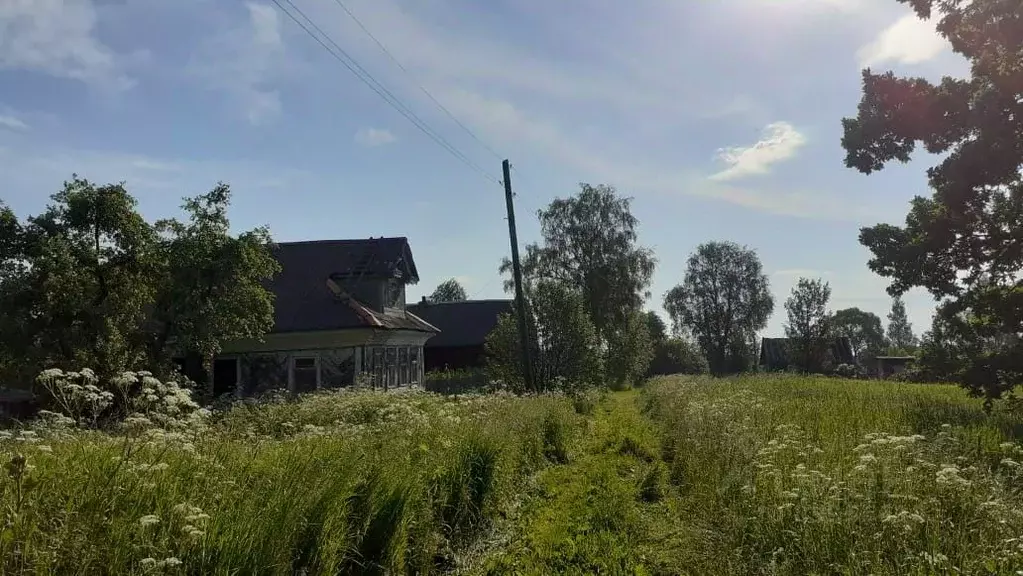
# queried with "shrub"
point(677, 356)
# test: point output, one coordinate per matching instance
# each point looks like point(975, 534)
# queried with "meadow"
point(750, 475)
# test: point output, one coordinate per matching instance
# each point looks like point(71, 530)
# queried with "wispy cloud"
point(58, 37)
point(909, 40)
point(245, 61)
point(12, 123)
point(781, 141)
point(372, 137)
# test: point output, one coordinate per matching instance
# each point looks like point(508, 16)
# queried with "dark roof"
point(465, 323)
point(774, 352)
point(303, 301)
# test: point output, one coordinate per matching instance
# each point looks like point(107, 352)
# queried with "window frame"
point(315, 357)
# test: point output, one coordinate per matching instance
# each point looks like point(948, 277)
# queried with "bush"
point(563, 338)
point(677, 356)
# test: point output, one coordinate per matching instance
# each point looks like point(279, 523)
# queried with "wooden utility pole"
point(520, 301)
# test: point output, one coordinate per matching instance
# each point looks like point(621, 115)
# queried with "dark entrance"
point(225, 376)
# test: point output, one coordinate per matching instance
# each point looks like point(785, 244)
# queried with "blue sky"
point(721, 118)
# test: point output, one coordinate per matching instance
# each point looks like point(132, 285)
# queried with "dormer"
point(376, 271)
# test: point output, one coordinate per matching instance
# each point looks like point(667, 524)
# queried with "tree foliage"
point(864, 331)
point(562, 338)
point(677, 356)
point(89, 282)
point(590, 243)
point(656, 327)
point(809, 324)
point(724, 299)
point(962, 243)
point(449, 291)
point(901, 339)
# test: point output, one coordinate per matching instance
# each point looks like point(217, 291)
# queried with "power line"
point(353, 66)
point(421, 87)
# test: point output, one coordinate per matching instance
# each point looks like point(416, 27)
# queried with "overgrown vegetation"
point(784, 475)
point(343, 482)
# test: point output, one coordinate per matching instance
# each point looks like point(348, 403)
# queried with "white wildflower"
point(149, 520)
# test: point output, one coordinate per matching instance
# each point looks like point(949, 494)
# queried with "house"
point(339, 311)
point(463, 326)
point(774, 352)
point(889, 365)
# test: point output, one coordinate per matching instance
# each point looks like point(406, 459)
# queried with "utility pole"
point(520, 301)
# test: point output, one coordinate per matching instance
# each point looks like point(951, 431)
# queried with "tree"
point(809, 324)
point(962, 243)
point(449, 291)
point(562, 337)
point(77, 282)
point(656, 327)
point(590, 243)
point(90, 283)
point(212, 282)
point(900, 332)
point(864, 331)
point(629, 352)
point(724, 299)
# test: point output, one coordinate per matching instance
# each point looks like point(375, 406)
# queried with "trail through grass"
point(779, 475)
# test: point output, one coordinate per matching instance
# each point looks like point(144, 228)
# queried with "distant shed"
point(774, 352)
point(463, 326)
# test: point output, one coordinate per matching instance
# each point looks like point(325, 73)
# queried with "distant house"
point(463, 330)
point(774, 352)
point(889, 365)
point(339, 311)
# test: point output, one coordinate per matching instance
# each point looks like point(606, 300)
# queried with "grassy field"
point(780, 475)
point(352, 483)
point(758, 475)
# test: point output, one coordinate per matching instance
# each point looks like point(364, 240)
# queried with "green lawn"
point(759, 475)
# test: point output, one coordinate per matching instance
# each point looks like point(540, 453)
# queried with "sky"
point(721, 119)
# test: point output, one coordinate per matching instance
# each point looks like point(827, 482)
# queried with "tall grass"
point(790, 475)
point(359, 483)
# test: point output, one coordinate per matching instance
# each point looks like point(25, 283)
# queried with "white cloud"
point(372, 137)
point(58, 37)
point(244, 62)
point(506, 124)
point(909, 40)
point(780, 142)
point(12, 123)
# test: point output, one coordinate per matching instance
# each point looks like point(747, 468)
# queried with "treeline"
point(588, 279)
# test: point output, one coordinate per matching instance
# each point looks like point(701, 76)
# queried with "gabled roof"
point(303, 301)
point(774, 351)
point(465, 323)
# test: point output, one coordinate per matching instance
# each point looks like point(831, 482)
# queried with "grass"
point(779, 475)
point(755, 475)
point(354, 483)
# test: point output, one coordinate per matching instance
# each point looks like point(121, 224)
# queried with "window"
point(305, 374)
point(403, 366)
point(392, 367)
point(415, 355)
point(394, 294)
